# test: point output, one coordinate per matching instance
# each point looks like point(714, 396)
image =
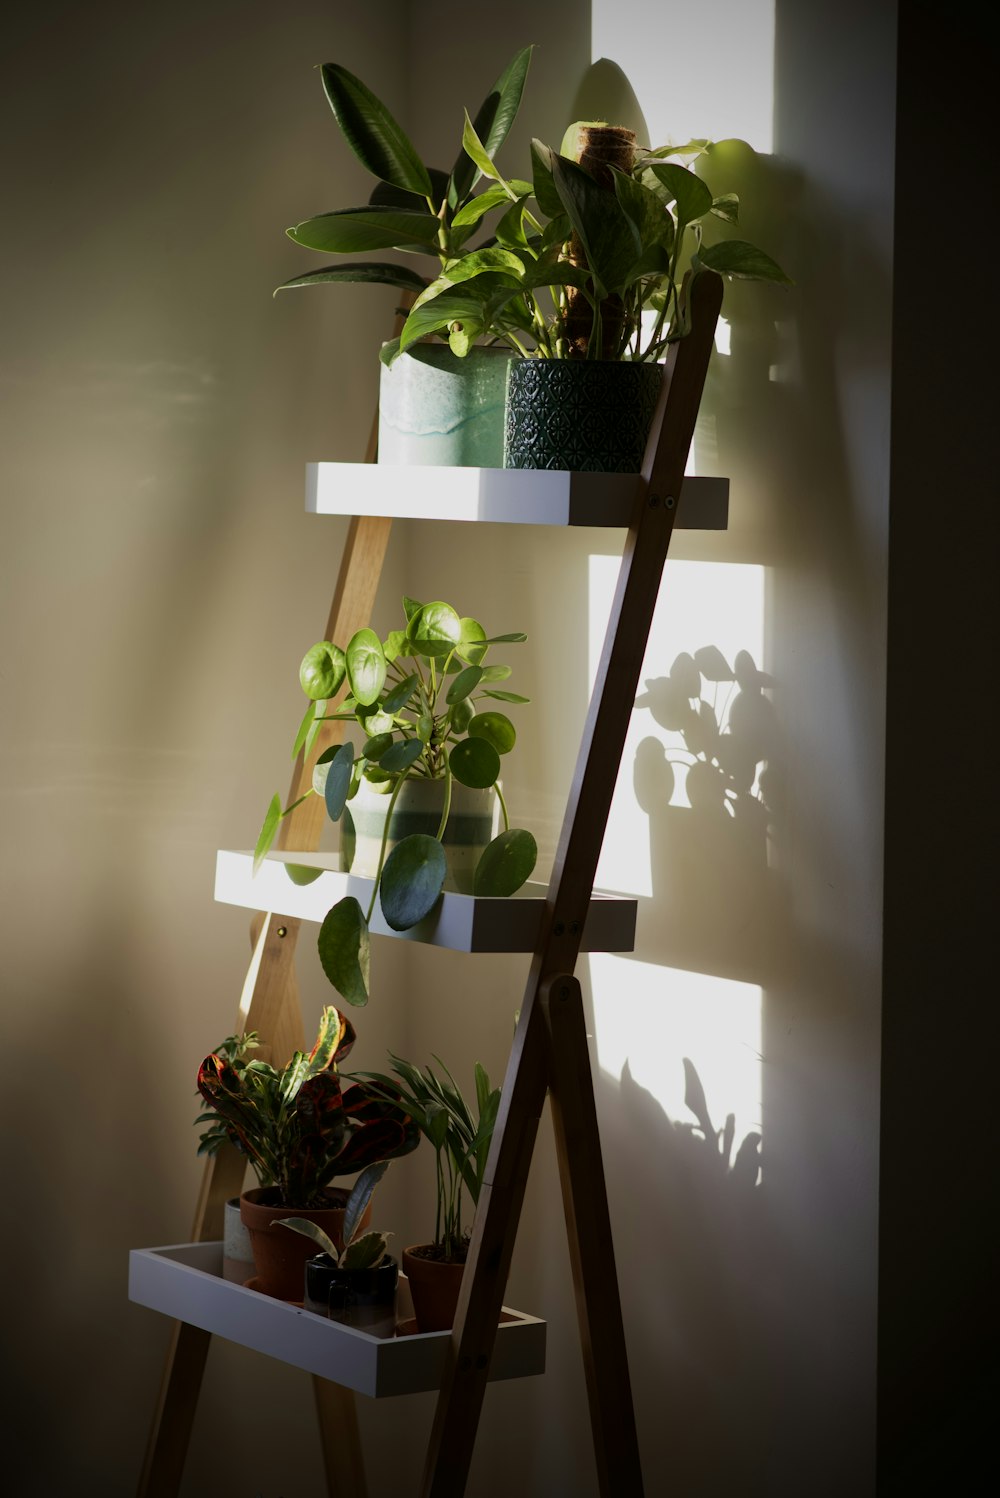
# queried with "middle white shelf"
point(464, 923)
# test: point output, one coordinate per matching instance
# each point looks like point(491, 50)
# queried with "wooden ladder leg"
point(173, 1417)
point(343, 1459)
point(485, 1280)
point(591, 1247)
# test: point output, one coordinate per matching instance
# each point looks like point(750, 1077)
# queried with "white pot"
point(473, 822)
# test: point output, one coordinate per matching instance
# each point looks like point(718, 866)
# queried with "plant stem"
point(503, 807)
point(385, 837)
point(447, 801)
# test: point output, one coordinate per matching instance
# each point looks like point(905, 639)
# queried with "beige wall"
point(161, 581)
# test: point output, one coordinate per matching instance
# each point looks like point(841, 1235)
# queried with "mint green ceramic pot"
point(435, 408)
point(585, 415)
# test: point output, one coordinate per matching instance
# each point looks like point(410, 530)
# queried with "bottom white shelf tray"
point(185, 1281)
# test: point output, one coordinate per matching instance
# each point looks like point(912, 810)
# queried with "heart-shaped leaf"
point(366, 666)
point(692, 197)
point(496, 729)
point(338, 780)
point(506, 863)
point(345, 950)
point(322, 670)
point(475, 763)
point(412, 880)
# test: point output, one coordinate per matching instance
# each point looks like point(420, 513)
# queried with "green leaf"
point(654, 224)
point(345, 950)
point(305, 727)
point(412, 880)
point(465, 682)
point(510, 228)
point(375, 747)
point(366, 1252)
point(376, 723)
point(475, 762)
point(410, 607)
point(474, 148)
point(727, 206)
point(506, 696)
point(494, 118)
point(496, 673)
point(735, 257)
point(302, 873)
point(546, 196)
point(322, 671)
point(480, 262)
point(379, 143)
point(267, 832)
point(692, 197)
point(394, 642)
point(322, 768)
point(361, 1195)
point(365, 666)
point(338, 780)
point(506, 863)
point(387, 196)
point(396, 700)
point(496, 729)
point(610, 239)
point(461, 715)
point(347, 231)
point(311, 1230)
point(401, 756)
point(470, 647)
point(362, 270)
point(463, 307)
point(435, 630)
point(478, 206)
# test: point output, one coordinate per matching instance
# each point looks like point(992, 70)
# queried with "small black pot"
point(364, 1298)
point(585, 415)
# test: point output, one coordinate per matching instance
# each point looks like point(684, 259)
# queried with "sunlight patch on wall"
point(700, 604)
point(653, 1017)
point(697, 70)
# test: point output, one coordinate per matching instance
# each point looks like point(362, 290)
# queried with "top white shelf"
point(537, 496)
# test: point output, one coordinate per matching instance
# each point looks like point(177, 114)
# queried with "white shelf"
point(537, 496)
point(185, 1281)
point(464, 923)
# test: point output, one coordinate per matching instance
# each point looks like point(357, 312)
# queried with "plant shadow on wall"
point(697, 1320)
point(719, 746)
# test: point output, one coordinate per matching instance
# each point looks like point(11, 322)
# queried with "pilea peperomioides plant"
point(423, 699)
point(297, 1127)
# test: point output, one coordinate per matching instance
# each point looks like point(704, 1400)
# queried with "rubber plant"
point(361, 1250)
point(297, 1126)
point(414, 208)
point(423, 699)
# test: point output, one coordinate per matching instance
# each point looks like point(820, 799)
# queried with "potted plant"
point(299, 1129)
point(355, 1281)
point(424, 699)
point(601, 251)
point(434, 406)
point(461, 1142)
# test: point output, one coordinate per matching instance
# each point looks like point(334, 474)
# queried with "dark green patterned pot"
point(587, 415)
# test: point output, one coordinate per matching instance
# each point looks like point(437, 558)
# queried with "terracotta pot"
point(473, 822)
point(279, 1253)
point(434, 1287)
point(364, 1298)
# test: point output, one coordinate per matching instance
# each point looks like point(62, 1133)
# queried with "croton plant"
point(297, 1126)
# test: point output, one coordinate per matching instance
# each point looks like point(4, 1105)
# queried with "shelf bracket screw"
point(670, 501)
point(654, 500)
point(281, 931)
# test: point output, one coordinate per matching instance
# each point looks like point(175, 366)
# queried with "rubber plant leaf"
point(492, 123)
point(347, 231)
point(362, 270)
point(375, 137)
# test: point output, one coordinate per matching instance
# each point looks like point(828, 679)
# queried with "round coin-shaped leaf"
point(300, 873)
point(322, 670)
point(475, 763)
point(496, 729)
point(377, 745)
point(365, 666)
point(400, 695)
point(435, 630)
point(412, 880)
point(506, 863)
point(469, 649)
point(345, 950)
point(322, 768)
point(338, 780)
point(461, 715)
point(402, 755)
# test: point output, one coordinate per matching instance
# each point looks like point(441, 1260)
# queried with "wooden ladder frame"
point(549, 1056)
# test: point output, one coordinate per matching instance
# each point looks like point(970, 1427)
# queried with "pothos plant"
point(297, 1126)
point(414, 208)
point(422, 700)
point(627, 248)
